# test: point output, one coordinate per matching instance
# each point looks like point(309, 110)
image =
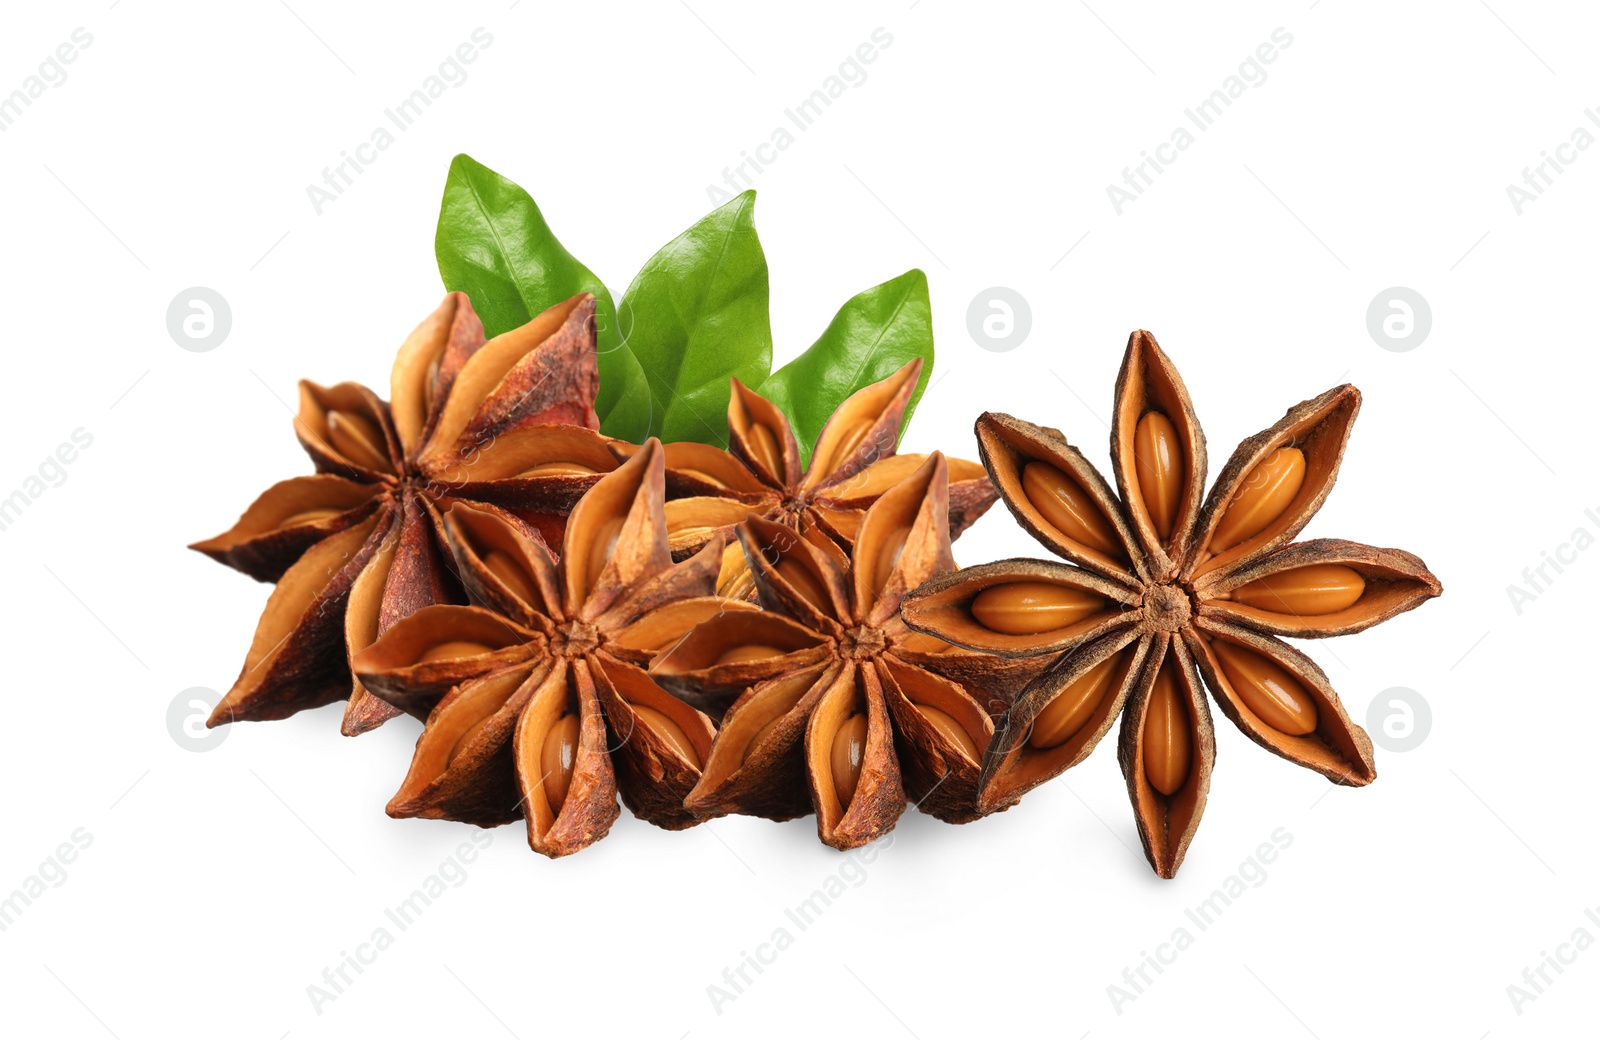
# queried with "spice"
point(357, 547)
point(1168, 590)
point(536, 700)
point(853, 463)
point(841, 710)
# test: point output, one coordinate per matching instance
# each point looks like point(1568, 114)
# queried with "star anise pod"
point(537, 705)
point(1169, 590)
point(841, 709)
point(357, 547)
point(853, 463)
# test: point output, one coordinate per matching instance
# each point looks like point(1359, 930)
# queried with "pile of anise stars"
point(706, 632)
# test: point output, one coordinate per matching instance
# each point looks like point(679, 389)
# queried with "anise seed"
point(1068, 508)
point(1265, 493)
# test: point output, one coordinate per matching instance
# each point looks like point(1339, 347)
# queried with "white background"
point(1376, 153)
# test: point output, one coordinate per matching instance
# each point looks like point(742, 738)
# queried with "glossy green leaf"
point(494, 245)
point(874, 334)
point(697, 314)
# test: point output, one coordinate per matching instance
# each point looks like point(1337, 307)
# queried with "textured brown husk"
point(1396, 582)
point(652, 776)
point(851, 653)
point(1167, 823)
point(880, 797)
point(1338, 748)
point(942, 608)
point(491, 411)
point(714, 490)
point(1148, 380)
point(260, 546)
point(564, 621)
point(1006, 444)
point(1319, 427)
point(1011, 768)
point(1172, 597)
point(297, 658)
point(478, 785)
point(938, 777)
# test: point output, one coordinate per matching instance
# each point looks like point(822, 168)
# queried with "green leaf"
point(494, 245)
point(697, 314)
point(874, 334)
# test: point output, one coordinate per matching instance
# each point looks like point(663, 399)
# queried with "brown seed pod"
point(1167, 719)
point(507, 422)
point(854, 462)
point(1071, 510)
point(1288, 592)
point(842, 710)
point(549, 715)
point(1166, 591)
point(1336, 747)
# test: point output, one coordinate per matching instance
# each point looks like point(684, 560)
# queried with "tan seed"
point(1063, 717)
point(702, 475)
point(605, 540)
point(1275, 696)
point(748, 652)
point(1262, 498)
point(309, 516)
point(1067, 507)
point(849, 748)
point(761, 734)
point(889, 557)
point(556, 758)
point(763, 444)
point(669, 731)
point(849, 441)
point(430, 381)
point(468, 736)
point(1168, 743)
point(1321, 588)
point(1158, 457)
point(808, 585)
point(513, 575)
point(358, 440)
point(951, 730)
point(557, 469)
point(454, 649)
point(1025, 608)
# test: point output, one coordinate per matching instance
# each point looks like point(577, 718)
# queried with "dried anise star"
point(854, 462)
point(1165, 585)
point(357, 547)
point(841, 709)
point(535, 699)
